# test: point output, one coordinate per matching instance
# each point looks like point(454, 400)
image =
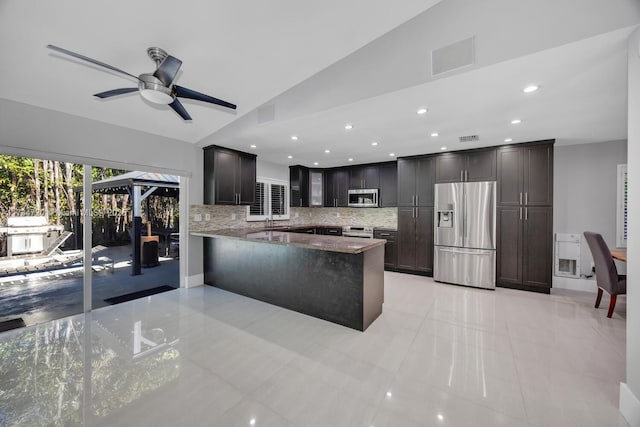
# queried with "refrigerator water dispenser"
point(445, 219)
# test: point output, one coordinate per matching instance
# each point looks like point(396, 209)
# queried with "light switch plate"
point(207, 217)
point(233, 216)
point(197, 217)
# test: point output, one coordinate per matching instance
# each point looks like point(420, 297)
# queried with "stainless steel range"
point(357, 231)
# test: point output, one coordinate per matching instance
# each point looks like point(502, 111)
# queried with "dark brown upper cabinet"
point(229, 176)
point(415, 181)
point(299, 186)
point(388, 196)
point(476, 165)
point(366, 176)
point(525, 174)
point(336, 184)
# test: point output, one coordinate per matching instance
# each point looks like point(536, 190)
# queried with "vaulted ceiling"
point(315, 66)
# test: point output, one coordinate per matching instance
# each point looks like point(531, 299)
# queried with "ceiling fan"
point(156, 87)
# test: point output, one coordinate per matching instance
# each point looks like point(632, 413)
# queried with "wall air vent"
point(452, 57)
point(266, 113)
point(469, 138)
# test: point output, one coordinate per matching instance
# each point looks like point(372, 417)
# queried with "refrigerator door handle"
point(520, 214)
point(526, 214)
point(458, 251)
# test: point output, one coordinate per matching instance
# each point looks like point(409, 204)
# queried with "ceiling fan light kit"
point(156, 87)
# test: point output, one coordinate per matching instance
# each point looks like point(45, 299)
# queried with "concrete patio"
point(43, 296)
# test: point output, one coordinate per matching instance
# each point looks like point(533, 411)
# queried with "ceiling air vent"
point(469, 138)
point(456, 55)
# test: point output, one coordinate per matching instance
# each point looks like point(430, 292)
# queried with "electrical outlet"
point(233, 216)
point(207, 217)
point(197, 217)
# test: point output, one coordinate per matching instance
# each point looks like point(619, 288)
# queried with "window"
point(272, 201)
point(621, 217)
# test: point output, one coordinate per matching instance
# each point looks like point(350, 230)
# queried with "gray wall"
point(584, 192)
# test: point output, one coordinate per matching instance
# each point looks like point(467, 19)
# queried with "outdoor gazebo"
point(139, 186)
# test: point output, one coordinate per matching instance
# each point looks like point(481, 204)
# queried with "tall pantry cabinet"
point(524, 217)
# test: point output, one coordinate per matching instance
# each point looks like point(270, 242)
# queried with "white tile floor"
point(439, 355)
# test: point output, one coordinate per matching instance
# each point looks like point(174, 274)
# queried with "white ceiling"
point(281, 53)
point(582, 99)
point(245, 52)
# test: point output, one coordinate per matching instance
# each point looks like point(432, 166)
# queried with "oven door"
point(363, 198)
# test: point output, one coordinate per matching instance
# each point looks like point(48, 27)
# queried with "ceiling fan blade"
point(183, 92)
point(86, 58)
point(168, 69)
point(116, 92)
point(179, 108)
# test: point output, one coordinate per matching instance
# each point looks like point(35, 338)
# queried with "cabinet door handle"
point(417, 200)
point(521, 199)
point(461, 175)
point(520, 214)
point(466, 175)
point(384, 234)
point(526, 198)
point(526, 214)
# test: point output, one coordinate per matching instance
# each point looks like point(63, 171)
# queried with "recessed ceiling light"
point(327, 151)
point(348, 126)
point(350, 159)
point(392, 154)
point(315, 163)
point(531, 88)
point(516, 121)
point(443, 148)
point(508, 140)
point(289, 157)
point(374, 143)
point(253, 146)
point(294, 137)
point(434, 133)
point(421, 110)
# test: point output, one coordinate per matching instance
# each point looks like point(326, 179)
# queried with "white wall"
point(272, 170)
point(630, 392)
point(584, 192)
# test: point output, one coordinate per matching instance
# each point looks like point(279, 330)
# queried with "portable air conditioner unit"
point(567, 255)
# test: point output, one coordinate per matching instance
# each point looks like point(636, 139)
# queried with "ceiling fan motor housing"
point(153, 90)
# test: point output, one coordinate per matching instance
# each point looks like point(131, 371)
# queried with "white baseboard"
point(586, 285)
point(629, 405)
point(193, 281)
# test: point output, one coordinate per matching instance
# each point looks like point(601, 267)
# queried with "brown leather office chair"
point(607, 277)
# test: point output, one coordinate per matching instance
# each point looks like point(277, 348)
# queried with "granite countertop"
point(350, 245)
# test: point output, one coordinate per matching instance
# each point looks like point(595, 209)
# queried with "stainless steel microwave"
point(367, 198)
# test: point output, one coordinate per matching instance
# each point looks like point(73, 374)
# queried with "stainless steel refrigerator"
point(465, 234)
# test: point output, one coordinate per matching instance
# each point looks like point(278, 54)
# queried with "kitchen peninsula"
point(339, 279)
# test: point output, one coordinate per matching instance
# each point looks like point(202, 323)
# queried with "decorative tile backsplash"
point(221, 217)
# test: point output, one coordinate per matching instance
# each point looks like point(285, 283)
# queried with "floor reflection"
point(120, 354)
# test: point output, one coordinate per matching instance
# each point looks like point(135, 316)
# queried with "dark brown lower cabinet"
point(525, 247)
point(390, 248)
point(415, 239)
